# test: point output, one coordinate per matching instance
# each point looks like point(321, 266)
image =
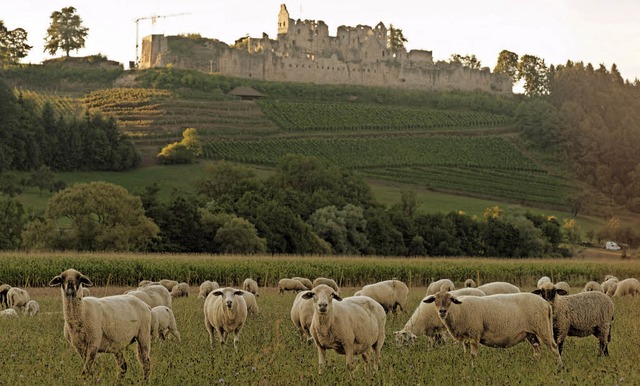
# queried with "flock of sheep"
point(495, 314)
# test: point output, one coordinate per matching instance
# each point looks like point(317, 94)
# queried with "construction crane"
point(153, 19)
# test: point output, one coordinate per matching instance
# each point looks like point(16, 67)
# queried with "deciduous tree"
point(507, 64)
point(65, 32)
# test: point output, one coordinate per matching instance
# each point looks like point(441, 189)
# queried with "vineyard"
point(64, 104)
point(302, 116)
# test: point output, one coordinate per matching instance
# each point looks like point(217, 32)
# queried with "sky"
point(592, 31)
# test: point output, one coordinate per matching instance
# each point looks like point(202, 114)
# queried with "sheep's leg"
point(236, 337)
point(556, 348)
point(601, 334)
point(89, 358)
point(366, 356)
point(322, 360)
point(222, 334)
point(122, 363)
point(144, 349)
point(209, 328)
point(348, 353)
point(376, 351)
point(533, 339)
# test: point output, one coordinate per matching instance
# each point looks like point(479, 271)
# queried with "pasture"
point(34, 351)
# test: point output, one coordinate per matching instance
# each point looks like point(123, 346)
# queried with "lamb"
point(17, 298)
point(301, 315)
point(290, 285)
point(499, 321)
point(251, 286)
point(306, 282)
point(626, 287)
point(391, 294)
point(470, 283)
point(438, 285)
point(543, 279)
point(425, 320)
point(350, 326)
point(110, 324)
point(593, 286)
point(180, 290)
point(225, 311)
point(252, 304)
point(4, 288)
point(168, 284)
point(499, 287)
point(154, 295)
point(32, 308)
point(8, 313)
point(206, 287)
point(326, 281)
point(582, 314)
point(163, 323)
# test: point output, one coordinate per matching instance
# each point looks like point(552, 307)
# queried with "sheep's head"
point(548, 291)
point(71, 281)
point(404, 337)
point(228, 296)
point(322, 296)
point(443, 301)
point(470, 283)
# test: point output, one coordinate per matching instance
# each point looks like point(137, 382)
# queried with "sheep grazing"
point(582, 314)
point(168, 284)
point(563, 285)
point(110, 324)
point(543, 279)
point(8, 313)
point(250, 285)
point(301, 315)
point(609, 277)
point(143, 283)
point(593, 286)
point(180, 290)
point(305, 282)
point(154, 295)
point(498, 321)
point(499, 287)
point(4, 288)
point(32, 308)
point(225, 311)
point(252, 304)
point(470, 283)
point(17, 298)
point(326, 281)
point(290, 285)
point(163, 323)
point(626, 287)
point(425, 321)
point(608, 286)
point(206, 287)
point(391, 294)
point(350, 326)
point(440, 285)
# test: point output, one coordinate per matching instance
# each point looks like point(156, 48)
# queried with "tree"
point(65, 32)
point(42, 178)
point(534, 72)
point(185, 151)
point(396, 40)
point(507, 64)
point(11, 223)
point(239, 236)
point(13, 45)
point(468, 60)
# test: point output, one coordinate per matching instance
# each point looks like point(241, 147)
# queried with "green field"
point(270, 351)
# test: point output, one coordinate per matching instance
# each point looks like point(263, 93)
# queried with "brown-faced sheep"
point(225, 312)
point(499, 287)
point(306, 282)
point(290, 285)
point(180, 290)
point(391, 294)
point(103, 325)
point(163, 323)
point(17, 298)
point(593, 286)
point(440, 285)
point(206, 287)
point(582, 314)
point(250, 285)
point(350, 326)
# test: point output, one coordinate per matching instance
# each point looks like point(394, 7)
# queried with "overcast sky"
point(594, 31)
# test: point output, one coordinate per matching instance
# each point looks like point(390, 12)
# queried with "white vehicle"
point(611, 246)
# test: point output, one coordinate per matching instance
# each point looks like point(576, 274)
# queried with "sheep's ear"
point(561, 292)
point(430, 299)
point(308, 295)
point(85, 281)
point(336, 296)
point(537, 292)
point(239, 293)
point(56, 281)
point(217, 293)
point(456, 300)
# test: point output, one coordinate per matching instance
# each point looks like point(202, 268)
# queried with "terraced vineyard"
point(62, 103)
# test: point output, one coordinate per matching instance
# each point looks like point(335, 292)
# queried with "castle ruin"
point(305, 52)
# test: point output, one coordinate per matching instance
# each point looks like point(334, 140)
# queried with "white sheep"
point(626, 287)
point(306, 282)
point(154, 295)
point(252, 304)
point(302, 315)
point(225, 312)
point(326, 281)
point(163, 323)
point(250, 285)
point(593, 286)
point(391, 294)
point(110, 324)
point(8, 313)
point(143, 283)
point(542, 280)
point(350, 326)
point(470, 283)
point(440, 285)
point(498, 321)
point(168, 284)
point(582, 314)
point(499, 287)
point(290, 285)
point(425, 321)
point(180, 290)
point(32, 308)
point(17, 298)
point(206, 287)
point(608, 286)
point(563, 285)
point(608, 277)
point(4, 288)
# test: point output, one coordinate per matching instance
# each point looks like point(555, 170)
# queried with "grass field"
point(34, 351)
